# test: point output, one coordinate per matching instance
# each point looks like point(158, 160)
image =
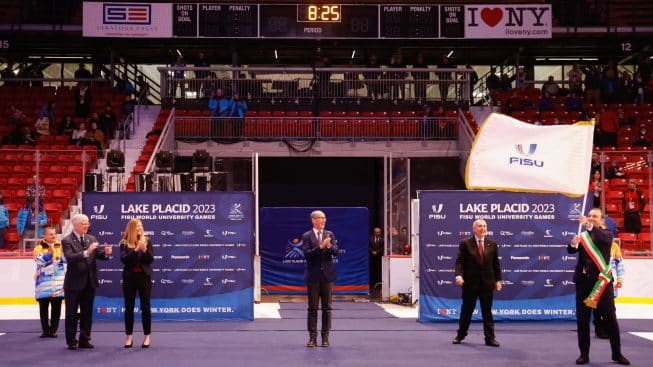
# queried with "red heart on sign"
point(491, 17)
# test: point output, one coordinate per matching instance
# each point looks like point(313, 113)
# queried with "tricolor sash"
point(605, 272)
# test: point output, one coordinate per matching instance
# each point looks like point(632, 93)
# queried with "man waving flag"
point(511, 155)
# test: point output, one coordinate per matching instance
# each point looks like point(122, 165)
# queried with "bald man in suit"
point(479, 274)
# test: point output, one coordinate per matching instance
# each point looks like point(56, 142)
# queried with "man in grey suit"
point(478, 273)
point(81, 250)
point(319, 247)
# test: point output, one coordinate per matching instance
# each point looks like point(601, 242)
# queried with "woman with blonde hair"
point(136, 254)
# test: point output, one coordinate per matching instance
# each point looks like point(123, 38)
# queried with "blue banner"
point(203, 252)
point(532, 232)
point(282, 260)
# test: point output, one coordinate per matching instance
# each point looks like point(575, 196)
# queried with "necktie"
point(480, 249)
point(319, 236)
point(81, 240)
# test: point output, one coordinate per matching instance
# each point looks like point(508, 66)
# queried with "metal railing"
point(200, 128)
point(330, 84)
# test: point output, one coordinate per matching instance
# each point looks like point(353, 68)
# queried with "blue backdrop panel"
point(203, 252)
point(282, 261)
point(532, 231)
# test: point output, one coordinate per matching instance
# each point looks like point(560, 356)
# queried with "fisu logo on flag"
point(127, 14)
point(530, 151)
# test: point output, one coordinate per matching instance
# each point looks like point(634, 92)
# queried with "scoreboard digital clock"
point(318, 21)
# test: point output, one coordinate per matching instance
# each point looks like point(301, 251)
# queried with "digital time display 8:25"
point(319, 13)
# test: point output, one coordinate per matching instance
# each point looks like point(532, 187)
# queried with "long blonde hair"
point(129, 236)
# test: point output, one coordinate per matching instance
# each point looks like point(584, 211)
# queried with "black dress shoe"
point(492, 343)
point(325, 342)
point(583, 359)
point(457, 340)
point(129, 345)
point(52, 335)
point(72, 346)
point(621, 360)
point(312, 343)
point(145, 345)
point(86, 345)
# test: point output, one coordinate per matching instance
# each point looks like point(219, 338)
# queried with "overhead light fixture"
point(56, 57)
point(353, 54)
point(450, 54)
point(276, 55)
point(179, 52)
point(564, 59)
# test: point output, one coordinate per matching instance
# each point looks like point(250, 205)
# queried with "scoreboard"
point(319, 21)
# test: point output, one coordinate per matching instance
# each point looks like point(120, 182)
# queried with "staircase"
point(144, 119)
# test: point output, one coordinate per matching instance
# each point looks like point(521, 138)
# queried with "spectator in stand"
point(473, 79)
point(638, 87)
point(34, 189)
point(50, 273)
point(143, 90)
point(596, 163)
point(493, 84)
point(78, 134)
point(397, 77)
point(67, 126)
point(592, 84)
point(609, 125)
point(597, 187)
point(550, 87)
point(47, 111)
point(82, 72)
point(609, 85)
point(178, 77)
point(642, 140)
point(16, 116)
point(420, 78)
point(36, 73)
point(546, 103)
point(201, 62)
point(573, 103)
point(373, 78)
point(444, 78)
point(625, 88)
point(95, 137)
point(29, 223)
point(83, 100)
point(107, 122)
point(506, 82)
point(404, 239)
point(238, 107)
point(124, 86)
point(633, 205)
point(525, 103)
point(8, 75)
point(42, 126)
point(4, 220)
point(22, 135)
point(615, 171)
point(375, 252)
point(575, 77)
point(219, 104)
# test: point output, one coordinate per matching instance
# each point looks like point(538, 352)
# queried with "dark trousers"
point(141, 284)
point(50, 326)
point(82, 299)
point(605, 309)
point(467, 309)
point(375, 272)
point(319, 291)
point(632, 222)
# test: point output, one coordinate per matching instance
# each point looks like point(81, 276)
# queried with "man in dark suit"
point(596, 241)
point(375, 249)
point(81, 250)
point(478, 273)
point(319, 247)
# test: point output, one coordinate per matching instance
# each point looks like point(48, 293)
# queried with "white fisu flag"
point(511, 155)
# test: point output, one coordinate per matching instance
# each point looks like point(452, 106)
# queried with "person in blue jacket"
point(29, 223)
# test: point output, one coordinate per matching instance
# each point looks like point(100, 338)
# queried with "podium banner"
point(203, 252)
point(282, 260)
point(532, 232)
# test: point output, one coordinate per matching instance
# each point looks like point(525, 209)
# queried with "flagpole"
point(582, 212)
